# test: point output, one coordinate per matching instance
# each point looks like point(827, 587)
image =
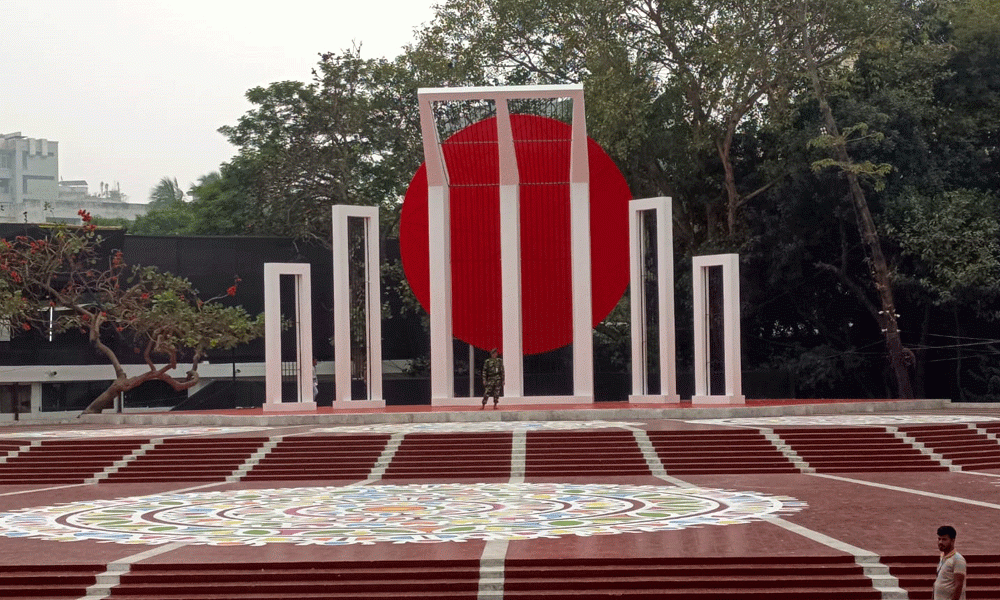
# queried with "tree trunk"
point(724, 148)
point(920, 368)
point(866, 227)
point(123, 383)
point(958, 354)
point(106, 398)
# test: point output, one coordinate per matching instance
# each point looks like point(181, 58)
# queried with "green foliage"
point(219, 205)
point(866, 169)
point(350, 136)
point(168, 214)
point(952, 238)
point(13, 307)
point(707, 102)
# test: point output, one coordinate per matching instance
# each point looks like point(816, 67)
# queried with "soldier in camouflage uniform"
point(493, 378)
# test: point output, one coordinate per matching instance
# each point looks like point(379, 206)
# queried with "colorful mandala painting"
point(845, 420)
point(142, 432)
point(461, 427)
point(392, 513)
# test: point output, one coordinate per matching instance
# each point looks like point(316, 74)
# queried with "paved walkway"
point(658, 516)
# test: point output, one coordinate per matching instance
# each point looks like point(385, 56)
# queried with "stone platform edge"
point(554, 414)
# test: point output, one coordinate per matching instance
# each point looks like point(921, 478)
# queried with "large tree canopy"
point(810, 136)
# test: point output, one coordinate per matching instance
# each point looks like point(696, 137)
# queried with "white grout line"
point(491, 570)
point(975, 427)
point(870, 562)
point(46, 489)
point(111, 578)
point(904, 490)
point(125, 460)
point(493, 560)
point(981, 473)
point(254, 459)
point(194, 488)
point(14, 453)
point(930, 453)
point(782, 446)
point(391, 446)
point(653, 461)
point(518, 451)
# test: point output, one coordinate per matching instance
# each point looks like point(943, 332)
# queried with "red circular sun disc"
point(543, 148)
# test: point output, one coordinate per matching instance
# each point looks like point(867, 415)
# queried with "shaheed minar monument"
point(519, 233)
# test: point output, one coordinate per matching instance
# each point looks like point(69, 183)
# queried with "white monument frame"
point(663, 213)
point(303, 337)
point(730, 264)
point(439, 245)
point(342, 306)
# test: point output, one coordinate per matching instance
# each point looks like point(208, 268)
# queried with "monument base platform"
point(471, 411)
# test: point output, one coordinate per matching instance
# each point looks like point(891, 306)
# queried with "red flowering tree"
point(157, 314)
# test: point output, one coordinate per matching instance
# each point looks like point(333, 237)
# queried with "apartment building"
point(32, 192)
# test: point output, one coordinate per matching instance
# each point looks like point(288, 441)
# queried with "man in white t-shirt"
point(950, 582)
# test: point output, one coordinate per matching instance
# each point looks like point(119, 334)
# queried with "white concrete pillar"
point(303, 337)
point(439, 248)
point(439, 242)
point(510, 256)
point(662, 210)
point(730, 264)
point(342, 305)
point(579, 199)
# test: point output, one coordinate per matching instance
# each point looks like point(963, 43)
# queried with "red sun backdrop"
point(543, 156)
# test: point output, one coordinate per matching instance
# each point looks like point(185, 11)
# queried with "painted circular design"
point(149, 432)
point(542, 146)
point(428, 513)
point(792, 420)
point(475, 427)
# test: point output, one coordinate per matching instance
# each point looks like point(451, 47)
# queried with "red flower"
point(26, 327)
point(84, 215)
point(232, 290)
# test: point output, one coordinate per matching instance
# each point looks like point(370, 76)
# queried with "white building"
point(31, 191)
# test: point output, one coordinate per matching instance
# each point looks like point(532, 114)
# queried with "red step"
point(916, 575)
point(48, 582)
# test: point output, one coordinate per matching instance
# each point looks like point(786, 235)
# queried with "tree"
point(168, 212)
point(854, 22)
point(160, 315)
point(219, 206)
point(666, 80)
point(305, 147)
point(166, 193)
point(350, 135)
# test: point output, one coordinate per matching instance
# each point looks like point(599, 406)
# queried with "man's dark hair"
point(947, 530)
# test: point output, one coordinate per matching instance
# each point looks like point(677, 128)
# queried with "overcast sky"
point(134, 90)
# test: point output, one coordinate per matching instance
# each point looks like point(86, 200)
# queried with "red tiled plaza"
point(793, 500)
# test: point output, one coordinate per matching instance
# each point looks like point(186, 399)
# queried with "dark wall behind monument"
point(212, 264)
